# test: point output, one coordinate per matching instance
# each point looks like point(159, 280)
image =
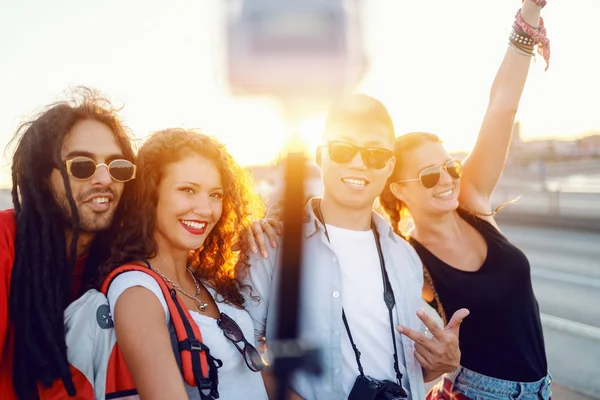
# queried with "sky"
point(432, 63)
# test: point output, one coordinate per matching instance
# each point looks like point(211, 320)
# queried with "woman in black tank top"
point(504, 325)
point(468, 261)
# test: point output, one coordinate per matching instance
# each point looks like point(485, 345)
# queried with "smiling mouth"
point(100, 204)
point(99, 200)
point(445, 194)
point(194, 224)
point(355, 182)
point(194, 227)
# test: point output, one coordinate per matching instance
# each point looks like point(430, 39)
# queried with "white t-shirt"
point(236, 380)
point(366, 312)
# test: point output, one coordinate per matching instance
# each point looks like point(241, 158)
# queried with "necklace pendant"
point(202, 306)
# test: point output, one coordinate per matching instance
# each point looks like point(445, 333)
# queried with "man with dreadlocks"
point(69, 173)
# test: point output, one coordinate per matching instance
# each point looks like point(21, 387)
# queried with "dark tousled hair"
point(42, 272)
point(216, 260)
point(359, 110)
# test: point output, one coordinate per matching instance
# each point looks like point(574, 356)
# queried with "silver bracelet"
point(525, 53)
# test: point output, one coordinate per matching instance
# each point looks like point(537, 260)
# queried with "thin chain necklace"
point(201, 305)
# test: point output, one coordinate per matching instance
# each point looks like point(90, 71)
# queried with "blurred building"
point(270, 182)
point(523, 153)
point(590, 144)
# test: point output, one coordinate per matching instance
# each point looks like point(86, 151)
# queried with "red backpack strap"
point(190, 345)
point(198, 367)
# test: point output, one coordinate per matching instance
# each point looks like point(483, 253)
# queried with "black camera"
point(367, 388)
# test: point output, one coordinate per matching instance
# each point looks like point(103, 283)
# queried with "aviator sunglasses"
point(83, 168)
point(430, 176)
point(373, 157)
point(233, 332)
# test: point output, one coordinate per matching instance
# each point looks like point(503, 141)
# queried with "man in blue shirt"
point(350, 253)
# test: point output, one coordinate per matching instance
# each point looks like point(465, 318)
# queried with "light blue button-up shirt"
point(321, 305)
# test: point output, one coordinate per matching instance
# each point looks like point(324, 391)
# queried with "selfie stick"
point(289, 351)
point(300, 52)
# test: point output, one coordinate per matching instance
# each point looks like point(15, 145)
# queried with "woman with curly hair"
point(190, 205)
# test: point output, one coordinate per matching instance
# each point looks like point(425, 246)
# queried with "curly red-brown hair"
point(216, 261)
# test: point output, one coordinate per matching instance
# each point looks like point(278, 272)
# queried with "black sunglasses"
point(233, 332)
point(430, 176)
point(83, 168)
point(373, 157)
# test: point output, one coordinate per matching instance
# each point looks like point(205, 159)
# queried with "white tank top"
point(236, 380)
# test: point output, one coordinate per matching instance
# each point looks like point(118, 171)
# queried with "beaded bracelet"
point(521, 39)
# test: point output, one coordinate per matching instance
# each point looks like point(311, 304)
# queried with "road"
point(552, 203)
point(566, 280)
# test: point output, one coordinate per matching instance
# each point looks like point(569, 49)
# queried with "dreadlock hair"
point(394, 208)
point(43, 266)
point(216, 262)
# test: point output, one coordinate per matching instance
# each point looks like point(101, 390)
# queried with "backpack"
point(97, 364)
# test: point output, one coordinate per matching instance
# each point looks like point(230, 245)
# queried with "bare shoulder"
point(138, 306)
point(138, 297)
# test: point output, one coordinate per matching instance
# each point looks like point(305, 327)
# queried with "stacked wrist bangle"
point(523, 52)
point(521, 42)
point(524, 37)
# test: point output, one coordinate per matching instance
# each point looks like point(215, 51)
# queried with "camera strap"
point(388, 298)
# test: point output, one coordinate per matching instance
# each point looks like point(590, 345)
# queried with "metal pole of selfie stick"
point(301, 52)
point(290, 353)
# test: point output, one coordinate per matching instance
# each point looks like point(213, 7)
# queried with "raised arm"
point(144, 339)
point(484, 166)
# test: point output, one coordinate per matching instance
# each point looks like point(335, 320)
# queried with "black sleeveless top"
point(502, 337)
